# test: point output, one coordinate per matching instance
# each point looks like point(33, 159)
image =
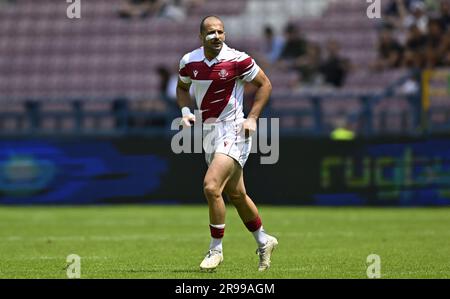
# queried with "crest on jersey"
point(195, 73)
point(225, 143)
point(223, 73)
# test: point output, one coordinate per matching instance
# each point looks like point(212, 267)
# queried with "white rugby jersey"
point(219, 83)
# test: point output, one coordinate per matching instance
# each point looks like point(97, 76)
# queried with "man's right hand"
point(188, 118)
point(188, 121)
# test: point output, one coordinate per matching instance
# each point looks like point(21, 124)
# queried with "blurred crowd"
point(288, 52)
point(314, 65)
point(172, 9)
point(412, 34)
point(415, 34)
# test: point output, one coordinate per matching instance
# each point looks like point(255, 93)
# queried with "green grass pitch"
point(170, 241)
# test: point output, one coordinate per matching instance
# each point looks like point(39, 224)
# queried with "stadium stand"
point(75, 70)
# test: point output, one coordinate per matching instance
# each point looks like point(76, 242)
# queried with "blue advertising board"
point(408, 172)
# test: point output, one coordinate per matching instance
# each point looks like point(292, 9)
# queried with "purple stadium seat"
point(104, 56)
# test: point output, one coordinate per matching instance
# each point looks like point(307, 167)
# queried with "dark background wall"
point(145, 170)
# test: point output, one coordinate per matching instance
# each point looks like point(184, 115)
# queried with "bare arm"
point(261, 98)
point(402, 10)
point(183, 95)
point(184, 101)
point(262, 94)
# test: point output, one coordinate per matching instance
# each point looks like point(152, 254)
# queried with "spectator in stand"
point(397, 8)
point(446, 49)
point(141, 8)
point(395, 12)
point(308, 65)
point(389, 51)
point(166, 88)
point(294, 47)
point(434, 51)
point(177, 10)
point(335, 67)
point(418, 16)
point(444, 14)
point(273, 45)
point(174, 10)
point(414, 48)
point(415, 40)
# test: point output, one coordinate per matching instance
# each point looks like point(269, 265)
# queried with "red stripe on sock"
point(254, 225)
point(217, 232)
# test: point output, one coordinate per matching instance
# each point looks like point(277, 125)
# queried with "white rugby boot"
point(265, 253)
point(212, 259)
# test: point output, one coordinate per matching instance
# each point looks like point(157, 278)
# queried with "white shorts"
point(227, 138)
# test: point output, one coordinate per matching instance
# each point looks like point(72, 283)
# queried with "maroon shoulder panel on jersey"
point(245, 65)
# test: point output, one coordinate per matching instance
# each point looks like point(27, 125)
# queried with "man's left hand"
point(249, 126)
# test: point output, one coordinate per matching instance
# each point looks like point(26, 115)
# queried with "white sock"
point(216, 244)
point(260, 236)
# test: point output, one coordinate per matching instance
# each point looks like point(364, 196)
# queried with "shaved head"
point(206, 20)
point(212, 35)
